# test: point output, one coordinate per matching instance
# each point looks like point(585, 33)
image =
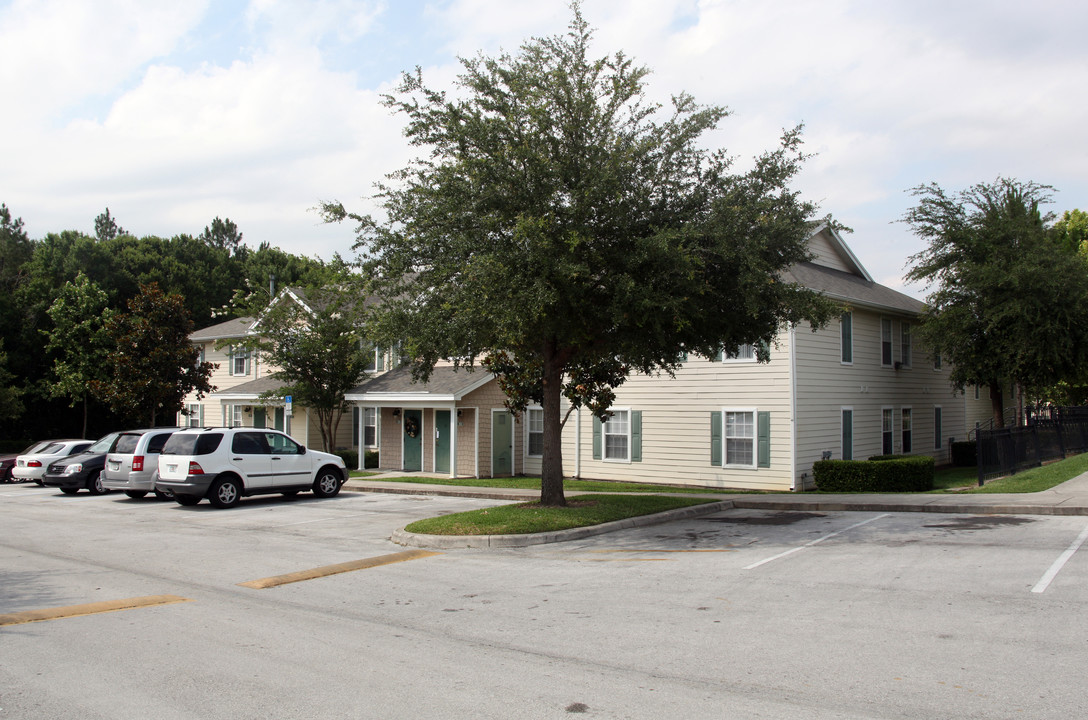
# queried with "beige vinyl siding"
point(676, 424)
point(827, 255)
point(825, 386)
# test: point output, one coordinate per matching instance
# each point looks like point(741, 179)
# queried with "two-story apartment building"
point(861, 386)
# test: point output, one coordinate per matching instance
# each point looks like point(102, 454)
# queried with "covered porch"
point(453, 425)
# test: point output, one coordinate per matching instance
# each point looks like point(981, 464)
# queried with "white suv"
point(225, 464)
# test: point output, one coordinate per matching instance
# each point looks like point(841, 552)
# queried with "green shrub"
point(964, 453)
point(350, 458)
point(903, 473)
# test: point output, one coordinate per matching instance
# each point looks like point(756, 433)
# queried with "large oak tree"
point(1009, 300)
point(568, 232)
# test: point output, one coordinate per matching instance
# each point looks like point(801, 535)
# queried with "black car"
point(7, 462)
point(73, 473)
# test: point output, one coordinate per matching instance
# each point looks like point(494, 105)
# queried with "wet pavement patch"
point(980, 522)
point(777, 518)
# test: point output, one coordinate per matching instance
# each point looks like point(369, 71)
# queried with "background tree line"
point(65, 300)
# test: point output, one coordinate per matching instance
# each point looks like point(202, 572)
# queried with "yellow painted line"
point(327, 570)
point(105, 606)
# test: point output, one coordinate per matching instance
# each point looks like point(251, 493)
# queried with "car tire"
point(94, 485)
point(225, 493)
point(69, 491)
point(40, 483)
point(328, 483)
point(135, 494)
point(186, 500)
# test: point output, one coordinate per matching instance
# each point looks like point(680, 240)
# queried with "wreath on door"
point(411, 427)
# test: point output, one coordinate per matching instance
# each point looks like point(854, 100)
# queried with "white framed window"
point(534, 432)
point(937, 362)
point(239, 361)
point(846, 338)
point(376, 362)
point(906, 423)
point(885, 342)
point(232, 415)
point(193, 415)
point(370, 427)
point(847, 447)
point(617, 436)
point(745, 353)
point(200, 355)
point(739, 438)
point(906, 349)
point(887, 431)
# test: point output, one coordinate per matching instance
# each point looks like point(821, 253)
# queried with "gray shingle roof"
point(237, 327)
point(253, 387)
point(444, 380)
point(848, 287)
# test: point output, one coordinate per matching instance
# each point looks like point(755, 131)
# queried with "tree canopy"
point(567, 232)
point(153, 366)
point(317, 348)
point(1009, 300)
point(78, 342)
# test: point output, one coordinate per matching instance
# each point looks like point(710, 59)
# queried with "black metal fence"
point(1051, 434)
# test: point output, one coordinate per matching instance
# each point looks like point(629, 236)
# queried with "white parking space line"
point(1050, 574)
point(813, 542)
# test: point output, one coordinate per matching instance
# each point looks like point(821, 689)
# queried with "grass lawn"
point(581, 511)
point(1028, 481)
point(533, 483)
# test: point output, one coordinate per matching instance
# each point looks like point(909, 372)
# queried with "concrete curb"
point(450, 542)
point(862, 506)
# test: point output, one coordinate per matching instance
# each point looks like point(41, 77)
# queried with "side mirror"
point(301, 449)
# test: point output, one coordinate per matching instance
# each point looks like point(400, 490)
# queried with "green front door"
point(277, 421)
point(502, 437)
point(442, 441)
point(258, 417)
point(413, 440)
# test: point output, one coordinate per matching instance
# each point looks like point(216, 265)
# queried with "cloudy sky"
point(172, 113)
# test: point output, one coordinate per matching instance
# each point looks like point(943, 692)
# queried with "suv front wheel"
point(226, 492)
point(327, 483)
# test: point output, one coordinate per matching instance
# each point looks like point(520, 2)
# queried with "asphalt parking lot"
point(742, 613)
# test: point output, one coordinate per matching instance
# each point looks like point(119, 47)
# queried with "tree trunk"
point(551, 471)
point(84, 435)
point(997, 401)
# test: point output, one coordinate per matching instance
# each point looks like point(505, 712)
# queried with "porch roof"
point(249, 390)
point(446, 384)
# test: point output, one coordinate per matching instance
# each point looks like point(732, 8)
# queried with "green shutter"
point(763, 439)
point(596, 438)
point(847, 330)
point(636, 436)
point(716, 439)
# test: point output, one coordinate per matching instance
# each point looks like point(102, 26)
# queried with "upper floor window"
point(376, 362)
point(239, 361)
point(886, 342)
point(846, 337)
point(744, 353)
point(937, 361)
point(905, 343)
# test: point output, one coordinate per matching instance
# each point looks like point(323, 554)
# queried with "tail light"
point(137, 462)
point(195, 469)
point(34, 463)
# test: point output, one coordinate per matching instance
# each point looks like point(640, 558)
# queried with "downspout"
point(798, 483)
point(578, 443)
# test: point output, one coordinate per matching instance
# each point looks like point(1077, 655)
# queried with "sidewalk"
point(1069, 498)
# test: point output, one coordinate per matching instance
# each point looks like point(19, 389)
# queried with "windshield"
point(192, 443)
point(104, 444)
point(49, 449)
point(36, 448)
